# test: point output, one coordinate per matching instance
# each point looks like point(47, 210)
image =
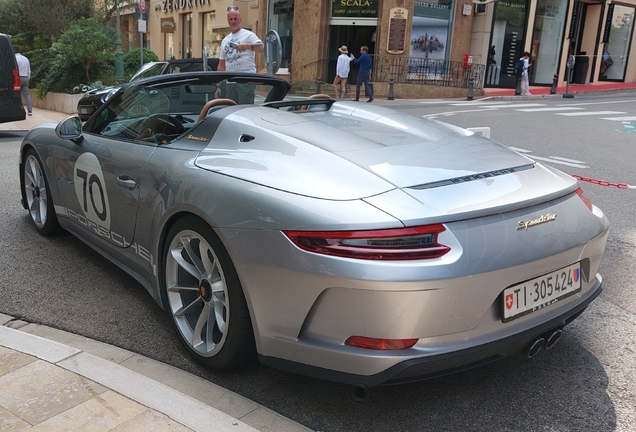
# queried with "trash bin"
point(580, 69)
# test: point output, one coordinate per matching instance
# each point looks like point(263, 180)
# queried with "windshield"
point(148, 70)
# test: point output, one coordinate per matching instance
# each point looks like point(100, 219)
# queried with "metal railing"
point(415, 70)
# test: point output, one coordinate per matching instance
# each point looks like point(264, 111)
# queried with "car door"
point(100, 176)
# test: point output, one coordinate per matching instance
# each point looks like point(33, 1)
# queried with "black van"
point(11, 108)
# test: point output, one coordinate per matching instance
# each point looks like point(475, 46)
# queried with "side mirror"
point(70, 129)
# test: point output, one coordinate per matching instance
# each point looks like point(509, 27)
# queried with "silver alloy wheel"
point(197, 292)
point(35, 191)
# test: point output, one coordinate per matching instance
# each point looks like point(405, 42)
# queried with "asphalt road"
point(585, 383)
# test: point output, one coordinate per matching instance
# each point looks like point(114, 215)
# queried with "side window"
point(138, 113)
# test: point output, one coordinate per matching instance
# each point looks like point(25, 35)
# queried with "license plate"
point(535, 294)
point(83, 110)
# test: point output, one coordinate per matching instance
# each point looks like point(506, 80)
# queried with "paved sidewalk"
point(52, 380)
point(39, 116)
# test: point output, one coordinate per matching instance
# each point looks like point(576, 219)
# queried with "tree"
point(36, 23)
point(87, 42)
point(108, 9)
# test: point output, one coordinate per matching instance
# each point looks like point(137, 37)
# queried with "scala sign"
point(142, 6)
point(354, 8)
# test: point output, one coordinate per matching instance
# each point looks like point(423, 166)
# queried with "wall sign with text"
point(397, 30)
point(354, 8)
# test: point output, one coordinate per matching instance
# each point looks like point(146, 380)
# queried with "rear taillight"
point(586, 200)
point(380, 344)
point(390, 244)
point(16, 81)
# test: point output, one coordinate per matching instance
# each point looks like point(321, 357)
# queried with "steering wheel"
point(213, 103)
point(163, 124)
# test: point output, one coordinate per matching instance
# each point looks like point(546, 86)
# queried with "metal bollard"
point(318, 86)
point(518, 89)
point(471, 84)
point(554, 84)
point(391, 97)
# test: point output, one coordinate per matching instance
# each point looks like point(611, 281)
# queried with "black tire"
point(204, 297)
point(37, 195)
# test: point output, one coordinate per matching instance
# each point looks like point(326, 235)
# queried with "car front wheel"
point(37, 195)
point(203, 294)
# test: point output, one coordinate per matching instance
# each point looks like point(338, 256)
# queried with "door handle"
point(126, 182)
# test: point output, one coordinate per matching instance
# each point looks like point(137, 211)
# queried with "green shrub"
point(82, 54)
point(132, 60)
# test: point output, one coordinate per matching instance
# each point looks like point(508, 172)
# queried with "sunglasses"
point(232, 8)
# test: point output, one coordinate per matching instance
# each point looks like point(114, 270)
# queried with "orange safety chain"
point(603, 182)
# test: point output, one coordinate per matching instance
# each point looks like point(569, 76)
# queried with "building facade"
point(596, 34)
point(404, 32)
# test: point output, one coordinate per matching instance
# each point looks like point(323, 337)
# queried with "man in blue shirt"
point(364, 74)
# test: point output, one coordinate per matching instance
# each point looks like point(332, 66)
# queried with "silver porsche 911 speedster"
point(330, 238)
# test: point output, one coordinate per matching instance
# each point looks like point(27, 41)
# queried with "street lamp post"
point(119, 60)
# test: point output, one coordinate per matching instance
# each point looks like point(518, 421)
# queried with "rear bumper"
point(11, 109)
point(417, 369)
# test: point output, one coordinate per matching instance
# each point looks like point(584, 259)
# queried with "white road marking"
point(477, 102)
point(452, 113)
point(598, 103)
point(568, 160)
point(553, 159)
point(624, 119)
point(558, 162)
point(516, 105)
point(590, 113)
point(547, 109)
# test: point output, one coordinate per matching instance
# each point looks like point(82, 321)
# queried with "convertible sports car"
point(330, 238)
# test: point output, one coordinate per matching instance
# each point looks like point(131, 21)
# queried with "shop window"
point(186, 35)
point(169, 46)
point(213, 34)
point(617, 45)
point(431, 29)
point(280, 19)
point(547, 40)
point(506, 47)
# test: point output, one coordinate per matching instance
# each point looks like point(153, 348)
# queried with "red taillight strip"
point(380, 344)
point(391, 244)
point(16, 81)
point(586, 200)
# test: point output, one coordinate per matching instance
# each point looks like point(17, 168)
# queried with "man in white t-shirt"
point(238, 54)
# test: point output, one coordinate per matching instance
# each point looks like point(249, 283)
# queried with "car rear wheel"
point(37, 196)
point(203, 294)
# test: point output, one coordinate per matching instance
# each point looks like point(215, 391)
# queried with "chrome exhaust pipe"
point(553, 339)
point(536, 346)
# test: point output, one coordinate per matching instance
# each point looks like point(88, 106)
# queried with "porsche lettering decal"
point(196, 138)
point(102, 231)
point(523, 225)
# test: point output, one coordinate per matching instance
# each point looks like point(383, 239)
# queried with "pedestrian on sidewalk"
point(342, 72)
point(24, 69)
point(364, 74)
point(525, 83)
point(238, 54)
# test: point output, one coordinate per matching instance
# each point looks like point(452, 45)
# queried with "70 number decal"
point(91, 191)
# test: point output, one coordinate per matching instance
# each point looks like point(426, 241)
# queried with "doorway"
point(353, 37)
point(617, 43)
point(584, 43)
